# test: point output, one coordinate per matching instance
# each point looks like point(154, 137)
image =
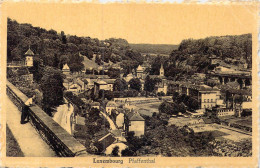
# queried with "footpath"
point(28, 139)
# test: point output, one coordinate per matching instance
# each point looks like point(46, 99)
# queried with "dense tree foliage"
point(154, 48)
point(52, 88)
point(57, 49)
point(135, 84)
point(161, 139)
point(193, 56)
point(120, 85)
point(150, 83)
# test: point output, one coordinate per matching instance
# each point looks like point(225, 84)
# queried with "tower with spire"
point(161, 71)
point(29, 57)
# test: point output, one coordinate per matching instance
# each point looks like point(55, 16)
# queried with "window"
point(204, 100)
point(211, 100)
point(208, 100)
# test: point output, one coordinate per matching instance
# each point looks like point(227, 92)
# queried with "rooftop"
point(134, 116)
point(29, 52)
point(111, 104)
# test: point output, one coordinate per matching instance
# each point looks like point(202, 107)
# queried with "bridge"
point(54, 136)
point(244, 78)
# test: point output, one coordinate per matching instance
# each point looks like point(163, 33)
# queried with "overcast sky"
point(138, 23)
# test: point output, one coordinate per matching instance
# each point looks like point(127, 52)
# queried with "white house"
point(134, 123)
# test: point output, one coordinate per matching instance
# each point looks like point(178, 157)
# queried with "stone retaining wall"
point(52, 133)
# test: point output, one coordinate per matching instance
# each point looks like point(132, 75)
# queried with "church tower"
point(29, 58)
point(161, 71)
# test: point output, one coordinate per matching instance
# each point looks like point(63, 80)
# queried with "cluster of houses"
point(211, 97)
point(82, 82)
point(127, 120)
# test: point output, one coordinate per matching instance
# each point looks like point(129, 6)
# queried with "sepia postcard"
point(125, 85)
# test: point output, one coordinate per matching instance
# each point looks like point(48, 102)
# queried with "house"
point(29, 58)
point(95, 105)
point(161, 87)
point(140, 72)
point(221, 112)
point(66, 69)
point(75, 87)
point(134, 123)
point(209, 97)
point(106, 142)
point(99, 85)
point(111, 105)
point(110, 83)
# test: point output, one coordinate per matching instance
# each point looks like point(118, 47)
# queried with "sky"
point(138, 23)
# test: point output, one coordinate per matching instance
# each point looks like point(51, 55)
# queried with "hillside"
point(56, 49)
point(89, 63)
point(154, 48)
point(193, 56)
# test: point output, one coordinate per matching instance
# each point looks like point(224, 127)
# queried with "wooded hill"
point(194, 55)
point(154, 48)
point(55, 49)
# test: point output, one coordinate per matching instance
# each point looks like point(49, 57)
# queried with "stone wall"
point(52, 133)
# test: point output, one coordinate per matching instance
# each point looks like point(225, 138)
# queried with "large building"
point(207, 96)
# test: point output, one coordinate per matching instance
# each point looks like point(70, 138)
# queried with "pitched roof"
point(105, 142)
point(111, 104)
point(109, 81)
point(95, 104)
point(116, 133)
point(102, 76)
point(140, 68)
point(101, 82)
point(134, 116)
point(29, 52)
point(101, 134)
point(65, 67)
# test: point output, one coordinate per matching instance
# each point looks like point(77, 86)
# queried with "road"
point(111, 123)
point(63, 116)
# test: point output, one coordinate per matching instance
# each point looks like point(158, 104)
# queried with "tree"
point(127, 152)
point(135, 84)
point(63, 37)
point(113, 73)
point(52, 88)
point(37, 69)
point(115, 151)
point(149, 84)
point(166, 107)
point(56, 61)
point(120, 85)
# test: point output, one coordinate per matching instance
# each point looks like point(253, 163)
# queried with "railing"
point(52, 133)
point(16, 63)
